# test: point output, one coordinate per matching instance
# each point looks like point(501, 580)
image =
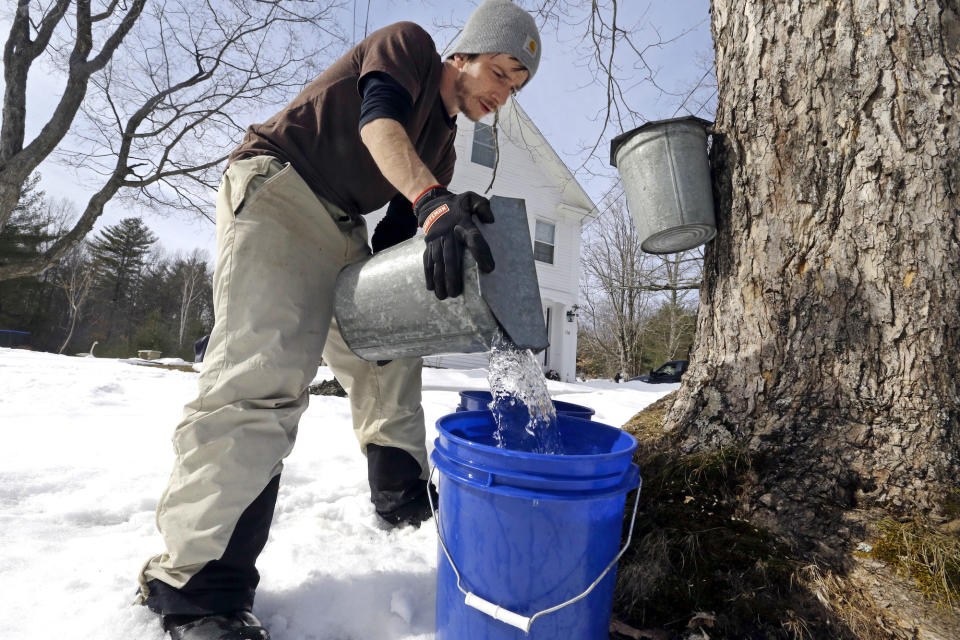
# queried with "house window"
point(483, 145)
point(543, 242)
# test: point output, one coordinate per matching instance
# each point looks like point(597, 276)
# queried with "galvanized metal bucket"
point(666, 176)
point(384, 310)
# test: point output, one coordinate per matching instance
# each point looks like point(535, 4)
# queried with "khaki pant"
point(279, 249)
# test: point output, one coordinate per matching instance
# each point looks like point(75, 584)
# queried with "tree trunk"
point(829, 329)
point(193, 270)
point(73, 324)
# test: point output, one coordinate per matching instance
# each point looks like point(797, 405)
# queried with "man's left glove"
point(397, 225)
point(447, 220)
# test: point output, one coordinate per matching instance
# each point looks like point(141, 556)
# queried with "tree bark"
point(828, 331)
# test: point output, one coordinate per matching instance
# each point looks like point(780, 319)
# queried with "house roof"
point(514, 120)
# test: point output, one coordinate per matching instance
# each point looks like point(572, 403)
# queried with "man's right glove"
point(447, 220)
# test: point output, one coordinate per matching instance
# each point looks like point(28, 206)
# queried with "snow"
point(86, 453)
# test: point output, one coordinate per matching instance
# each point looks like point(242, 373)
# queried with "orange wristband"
point(434, 186)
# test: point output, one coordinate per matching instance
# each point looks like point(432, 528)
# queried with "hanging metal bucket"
point(385, 312)
point(666, 175)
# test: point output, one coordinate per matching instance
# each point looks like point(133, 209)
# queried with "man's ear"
point(459, 60)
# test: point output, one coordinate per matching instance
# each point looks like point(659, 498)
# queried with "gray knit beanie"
point(499, 26)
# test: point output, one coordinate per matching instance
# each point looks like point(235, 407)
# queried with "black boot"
point(239, 625)
point(414, 512)
point(396, 490)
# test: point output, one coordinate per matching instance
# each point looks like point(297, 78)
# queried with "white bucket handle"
point(505, 615)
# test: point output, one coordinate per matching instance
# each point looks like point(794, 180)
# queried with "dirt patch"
point(328, 388)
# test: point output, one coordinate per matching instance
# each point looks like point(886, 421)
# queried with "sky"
point(87, 453)
point(563, 100)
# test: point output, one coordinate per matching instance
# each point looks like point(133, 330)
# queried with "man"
point(378, 126)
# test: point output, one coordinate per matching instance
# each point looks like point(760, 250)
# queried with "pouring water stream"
point(522, 409)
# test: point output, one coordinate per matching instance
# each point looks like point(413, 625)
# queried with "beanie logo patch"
point(531, 46)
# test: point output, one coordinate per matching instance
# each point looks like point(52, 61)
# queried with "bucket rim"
point(709, 232)
point(618, 141)
point(528, 455)
point(473, 392)
point(572, 407)
point(537, 486)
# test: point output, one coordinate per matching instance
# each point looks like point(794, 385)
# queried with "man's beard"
point(462, 97)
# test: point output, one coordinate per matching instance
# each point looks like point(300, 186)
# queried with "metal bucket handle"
point(505, 615)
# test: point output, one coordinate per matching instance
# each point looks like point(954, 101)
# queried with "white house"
point(527, 167)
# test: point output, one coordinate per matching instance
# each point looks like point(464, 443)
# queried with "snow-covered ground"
point(86, 453)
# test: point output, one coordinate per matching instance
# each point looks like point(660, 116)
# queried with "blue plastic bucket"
point(480, 401)
point(527, 532)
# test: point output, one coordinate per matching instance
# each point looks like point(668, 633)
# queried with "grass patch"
point(928, 556)
point(646, 425)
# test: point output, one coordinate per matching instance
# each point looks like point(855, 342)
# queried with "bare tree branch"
point(616, 48)
point(19, 53)
point(155, 110)
point(17, 162)
point(623, 292)
point(74, 276)
point(496, 150)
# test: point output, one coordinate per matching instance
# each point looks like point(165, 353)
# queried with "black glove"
point(398, 225)
point(447, 221)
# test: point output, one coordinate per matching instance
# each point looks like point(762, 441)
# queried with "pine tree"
point(26, 230)
point(151, 310)
point(22, 299)
point(119, 254)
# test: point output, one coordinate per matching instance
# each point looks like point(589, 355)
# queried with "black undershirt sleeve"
point(383, 97)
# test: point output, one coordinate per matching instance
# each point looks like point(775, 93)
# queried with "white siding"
point(519, 176)
point(549, 195)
